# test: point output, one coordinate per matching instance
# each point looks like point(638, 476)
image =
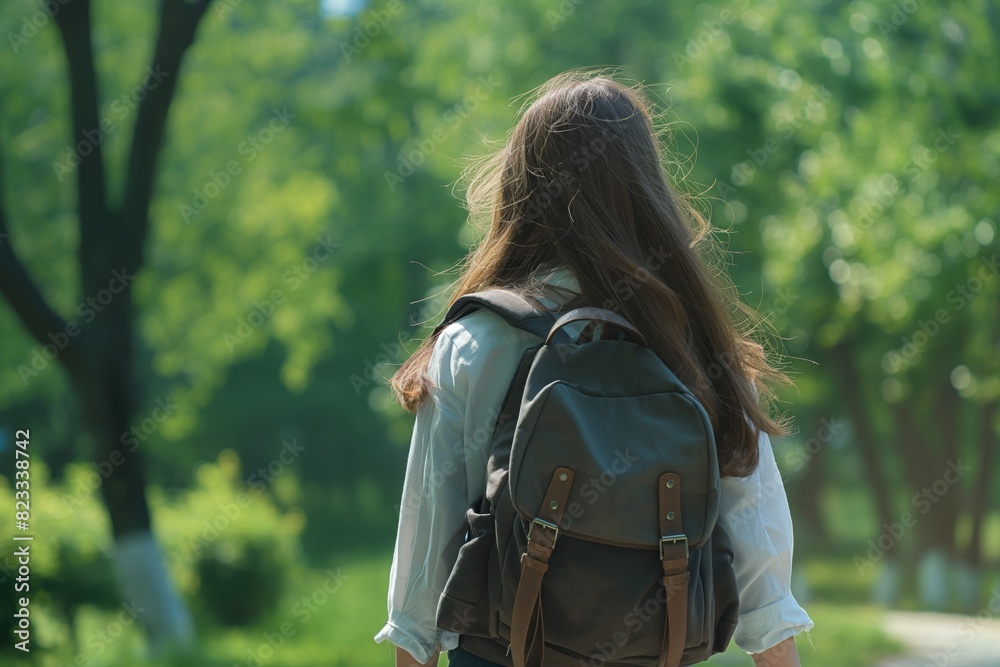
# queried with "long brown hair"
point(581, 183)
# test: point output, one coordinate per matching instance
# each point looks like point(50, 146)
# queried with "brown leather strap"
point(542, 534)
point(674, 558)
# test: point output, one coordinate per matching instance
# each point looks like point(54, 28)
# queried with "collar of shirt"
point(561, 285)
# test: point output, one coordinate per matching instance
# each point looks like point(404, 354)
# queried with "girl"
point(582, 214)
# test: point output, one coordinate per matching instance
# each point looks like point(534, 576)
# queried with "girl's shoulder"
point(479, 333)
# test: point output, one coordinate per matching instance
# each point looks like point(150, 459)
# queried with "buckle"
point(544, 524)
point(674, 539)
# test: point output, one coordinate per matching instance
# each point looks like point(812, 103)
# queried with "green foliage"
point(240, 587)
point(69, 557)
point(70, 567)
point(226, 544)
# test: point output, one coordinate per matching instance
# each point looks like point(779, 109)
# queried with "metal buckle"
point(673, 539)
point(545, 524)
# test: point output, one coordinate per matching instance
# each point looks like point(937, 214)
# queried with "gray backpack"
point(597, 541)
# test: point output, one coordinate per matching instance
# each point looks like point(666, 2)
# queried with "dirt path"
point(940, 640)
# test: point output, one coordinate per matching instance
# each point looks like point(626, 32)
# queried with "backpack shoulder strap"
point(515, 310)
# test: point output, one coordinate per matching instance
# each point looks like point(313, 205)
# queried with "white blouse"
point(471, 367)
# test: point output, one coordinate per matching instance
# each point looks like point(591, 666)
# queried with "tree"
point(243, 263)
point(99, 360)
point(856, 177)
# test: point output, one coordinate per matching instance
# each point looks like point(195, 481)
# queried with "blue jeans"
point(460, 658)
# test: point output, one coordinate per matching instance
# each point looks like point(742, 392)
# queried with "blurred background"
point(222, 226)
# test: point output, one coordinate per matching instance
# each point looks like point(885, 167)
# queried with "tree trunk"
point(949, 405)
point(931, 528)
point(806, 494)
point(989, 442)
point(887, 588)
point(851, 384)
point(98, 359)
point(146, 588)
point(109, 398)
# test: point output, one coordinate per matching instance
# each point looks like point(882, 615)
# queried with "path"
point(944, 640)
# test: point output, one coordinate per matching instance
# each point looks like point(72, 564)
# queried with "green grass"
point(835, 579)
point(844, 635)
point(337, 631)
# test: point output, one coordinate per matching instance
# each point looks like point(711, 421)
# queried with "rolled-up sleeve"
point(432, 520)
point(471, 366)
point(754, 512)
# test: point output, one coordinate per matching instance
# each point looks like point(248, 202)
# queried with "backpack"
point(597, 541)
